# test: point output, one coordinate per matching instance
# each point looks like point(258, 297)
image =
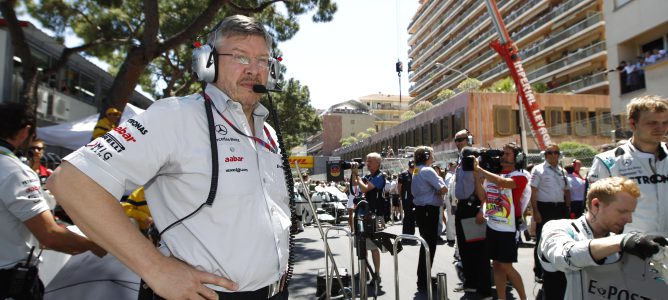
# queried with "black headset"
point(421, 158)
point(469, 137)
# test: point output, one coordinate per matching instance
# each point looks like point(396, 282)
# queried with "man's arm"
point(563, 253)
point(98, 214)
point(535, 214)
point(52, 236)
point(480, 193)
point(500, 181)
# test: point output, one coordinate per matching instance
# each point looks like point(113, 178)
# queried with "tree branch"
point(151, 28)
point(249, 10)
point(195, 27)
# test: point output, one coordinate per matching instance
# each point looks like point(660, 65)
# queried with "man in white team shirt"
point(235, 248)
point(643, 159)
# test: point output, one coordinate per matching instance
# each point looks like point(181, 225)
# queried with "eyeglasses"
point(262, 63)
point(552, 152)
point(36, 148)
point(461, 139)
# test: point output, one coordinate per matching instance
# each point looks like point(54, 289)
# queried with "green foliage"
point(362, 135)
point(298, 118)
point(505, 85)
point(470, 85)
point(422, 106)
point(407, 115)
point(115, 28)
point(539, 87)
point(347, 141)
point(577, 150)
point(445, 94)
point(371, 131)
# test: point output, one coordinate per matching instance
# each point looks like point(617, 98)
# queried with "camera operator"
point(503, 211)
point(468, 192)
point(428, 189)
point(571, 245)
point(24, 212)
point(372, 186)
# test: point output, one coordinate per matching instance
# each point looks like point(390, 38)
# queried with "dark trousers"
point(475, 260)
point(548, 211)
point(554, 285)
point(32, 289)
point(577, 208)
point(145, 293)
point(427, 220)
point(408, 224)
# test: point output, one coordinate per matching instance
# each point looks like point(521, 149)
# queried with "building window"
point(458, 120)
point(581, 124)
point(604, 121)
point(555, 121)
point(620, 3)
point(352, 122)
point(504, 120)
point(435, 132)
point(446, 127)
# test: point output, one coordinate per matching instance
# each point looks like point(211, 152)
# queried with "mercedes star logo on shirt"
point(221, 129)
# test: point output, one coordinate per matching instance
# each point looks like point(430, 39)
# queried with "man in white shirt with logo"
point(231, 243)
point(550, 200)
point(643, 159)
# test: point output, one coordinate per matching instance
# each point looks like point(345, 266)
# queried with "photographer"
point(372, 186)
point(503, 211)
point(572, 245)
point(428, 189)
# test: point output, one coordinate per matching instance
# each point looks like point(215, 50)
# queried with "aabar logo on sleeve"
point(127, 136)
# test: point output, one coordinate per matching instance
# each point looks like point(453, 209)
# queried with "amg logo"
point(234, 159)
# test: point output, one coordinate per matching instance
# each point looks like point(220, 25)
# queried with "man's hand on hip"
point(174, 279)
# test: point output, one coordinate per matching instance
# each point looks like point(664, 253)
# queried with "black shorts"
point(501, 246)
point(395, 200)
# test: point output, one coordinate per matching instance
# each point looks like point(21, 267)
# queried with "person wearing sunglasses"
point(36, 151)
point(107, 123)
point(643, 159)
point(550, 200)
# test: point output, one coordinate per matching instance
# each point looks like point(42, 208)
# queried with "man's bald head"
point(462, 139)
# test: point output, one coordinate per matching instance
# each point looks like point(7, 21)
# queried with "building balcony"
point(561, 38)
point(580, 57)
point(583, 84)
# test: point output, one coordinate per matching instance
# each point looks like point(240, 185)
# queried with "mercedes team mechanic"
point(644, 159)
point(595, 238)
point(237, 246)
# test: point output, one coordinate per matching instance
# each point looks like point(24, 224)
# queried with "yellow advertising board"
point(305, 162)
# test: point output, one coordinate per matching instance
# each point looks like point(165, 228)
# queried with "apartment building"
point(386, 108)
point(634, 29)
point(562, 45)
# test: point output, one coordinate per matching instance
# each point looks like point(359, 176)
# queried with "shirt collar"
point(6, 144)
point(223, 102)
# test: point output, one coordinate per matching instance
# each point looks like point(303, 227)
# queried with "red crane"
point(508, 51)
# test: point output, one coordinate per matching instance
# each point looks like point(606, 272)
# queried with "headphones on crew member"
point(205, 64)
point(520, 157)
point(422, 156)
point(469, 138)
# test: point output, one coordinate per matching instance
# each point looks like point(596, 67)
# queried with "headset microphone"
point(260, 89)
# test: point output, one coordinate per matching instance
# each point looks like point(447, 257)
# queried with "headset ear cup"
point(205, 63)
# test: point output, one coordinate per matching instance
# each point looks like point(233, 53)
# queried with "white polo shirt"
point(20, 200)
point(243, 236)
point(550, 182)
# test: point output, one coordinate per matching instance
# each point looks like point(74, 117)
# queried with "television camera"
point(347, 165)
point(489, 159)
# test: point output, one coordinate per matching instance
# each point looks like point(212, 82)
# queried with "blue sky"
point(354, 54)
point(349, 57)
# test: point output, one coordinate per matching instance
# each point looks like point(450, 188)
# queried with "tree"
point(133, 34)
point(505, 85)
point(371, 131)
point(298, 118)
point(362, 135)
point(470, 85)
point(539, 87)
point(445, 94)
point(422, 106)
point(347, 141)
point(407, 115)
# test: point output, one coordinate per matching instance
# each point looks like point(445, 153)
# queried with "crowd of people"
point(197, 178)
point(632, 74)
